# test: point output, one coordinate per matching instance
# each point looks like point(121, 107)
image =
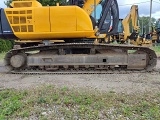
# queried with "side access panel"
point(137, 61)
point(132, 61)
point(76, 59)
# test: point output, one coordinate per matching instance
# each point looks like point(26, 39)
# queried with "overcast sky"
point(125, 5)
point(143, 7)
point(2, 4)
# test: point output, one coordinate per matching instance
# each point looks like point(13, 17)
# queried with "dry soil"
point(126, 83)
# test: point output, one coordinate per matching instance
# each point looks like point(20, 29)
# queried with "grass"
point(157, 50)
point(48, 102)
point(2, 56)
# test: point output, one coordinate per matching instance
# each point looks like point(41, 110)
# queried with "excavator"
point(83, 30)
point(133, 17)
point(156, 32)
point(131, 21)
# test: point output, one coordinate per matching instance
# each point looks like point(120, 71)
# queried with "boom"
point(133, 17)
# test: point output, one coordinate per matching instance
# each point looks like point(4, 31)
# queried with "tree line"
point(144, 24)
point(43, 2)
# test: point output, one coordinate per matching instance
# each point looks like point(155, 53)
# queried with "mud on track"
point(127, 83)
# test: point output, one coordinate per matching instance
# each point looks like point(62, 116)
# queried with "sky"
point(125, 5)
point(143, 7)
point(2, 5)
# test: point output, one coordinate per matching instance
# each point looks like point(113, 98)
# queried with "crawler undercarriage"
point(80, 57)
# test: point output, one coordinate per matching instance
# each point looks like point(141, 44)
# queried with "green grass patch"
point(2, 55)
point(48, 102)
point(157, 50)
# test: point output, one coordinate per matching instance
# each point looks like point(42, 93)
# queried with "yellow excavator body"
point(54, 22)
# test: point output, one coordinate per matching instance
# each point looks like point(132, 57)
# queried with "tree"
point(5, 45)
point(52, 2)
point(43, 2)
point(7, 2)
point(144, 23)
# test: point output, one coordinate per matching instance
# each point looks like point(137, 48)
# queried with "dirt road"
point(127, 83)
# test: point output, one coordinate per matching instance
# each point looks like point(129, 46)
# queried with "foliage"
point(43, 2)
point(157, 50)
point(144, 23)
point(7, 2)
point(48, 102)
point(52, 2)
point(10, 102)
point(2, 55)
point(5, 45)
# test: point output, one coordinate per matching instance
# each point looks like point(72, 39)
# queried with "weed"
point(2, 55)
point(55, 97)
point(43, 118)
point(126, 110)
point(10, 102)
point(157, 50)
point(41, 100)
point(2, 117)
point(24, 113)
point(64, 89)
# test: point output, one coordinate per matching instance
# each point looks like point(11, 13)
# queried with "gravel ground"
point(126, 83)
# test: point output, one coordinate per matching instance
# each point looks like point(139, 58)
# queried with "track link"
point(38, 72)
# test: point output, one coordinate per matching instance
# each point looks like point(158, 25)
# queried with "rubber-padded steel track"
point(152, 59)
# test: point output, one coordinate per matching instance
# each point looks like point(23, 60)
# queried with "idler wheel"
point(17, 61)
